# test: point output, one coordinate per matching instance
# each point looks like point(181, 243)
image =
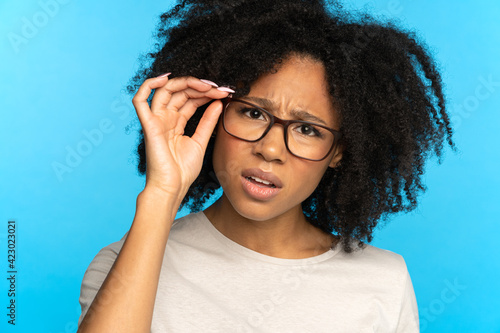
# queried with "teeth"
point(261, 180)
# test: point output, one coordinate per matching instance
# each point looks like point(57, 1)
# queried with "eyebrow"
point(298, 113)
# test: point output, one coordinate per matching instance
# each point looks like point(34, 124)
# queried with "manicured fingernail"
point(226, 89)
point(165, 75)
point(213, 84)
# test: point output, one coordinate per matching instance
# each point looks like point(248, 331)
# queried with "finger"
point(190, 107)
point(207, 124)
point(179, 99)
point(187, 111)
point(163, 94)
point(140, 100)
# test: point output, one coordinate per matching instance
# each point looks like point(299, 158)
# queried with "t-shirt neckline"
point(242, 250)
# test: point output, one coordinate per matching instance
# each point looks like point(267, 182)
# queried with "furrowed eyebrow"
point(300, 114)
point(262, 102)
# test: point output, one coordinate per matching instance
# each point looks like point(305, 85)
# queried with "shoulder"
point(96, 274)
point(378, 263)
point(181, 226)
point(110, 250)
point(190, 226)
point(104, 259)
point(382, 258)
point(187, 222)
point(102, 263)
point(381, 277)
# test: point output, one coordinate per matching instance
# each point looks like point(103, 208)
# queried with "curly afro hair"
point(384, 83)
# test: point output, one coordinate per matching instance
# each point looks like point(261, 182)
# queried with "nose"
point(272, 146)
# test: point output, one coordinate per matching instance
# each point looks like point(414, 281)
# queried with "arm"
point(408, 317)
point(125, 301)
point(126, 298)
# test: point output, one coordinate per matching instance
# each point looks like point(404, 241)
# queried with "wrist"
point(155, 199)
point(158, 193)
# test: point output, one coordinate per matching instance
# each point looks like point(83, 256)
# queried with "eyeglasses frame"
point(285, 123)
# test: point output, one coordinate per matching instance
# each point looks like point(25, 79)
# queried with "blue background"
point(65, 77)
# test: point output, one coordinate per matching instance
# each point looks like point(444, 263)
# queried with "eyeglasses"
point(304, 139)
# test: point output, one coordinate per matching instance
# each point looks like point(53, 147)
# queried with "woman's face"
point(298, 85)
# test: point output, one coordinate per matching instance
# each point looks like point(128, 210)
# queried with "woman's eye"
point(253, 113)
point(308, 130)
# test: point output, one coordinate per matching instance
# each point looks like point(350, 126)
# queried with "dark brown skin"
point(276, 227)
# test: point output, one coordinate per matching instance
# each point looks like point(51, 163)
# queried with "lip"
point(267, 176)
point(257, 191)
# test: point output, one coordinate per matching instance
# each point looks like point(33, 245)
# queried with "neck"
point(288, 235)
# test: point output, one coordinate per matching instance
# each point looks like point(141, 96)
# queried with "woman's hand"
point(173, 163)
point(173, 160)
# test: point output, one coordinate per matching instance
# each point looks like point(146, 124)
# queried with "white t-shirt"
point(209, 283)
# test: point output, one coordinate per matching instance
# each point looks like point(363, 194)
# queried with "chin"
point(259, 211)
point(255, 217)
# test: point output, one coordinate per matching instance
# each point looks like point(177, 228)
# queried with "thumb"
point(207, 123)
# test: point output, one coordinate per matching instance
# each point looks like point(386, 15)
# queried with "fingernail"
point(165, 75)
point(213, 84)
point(226, 89)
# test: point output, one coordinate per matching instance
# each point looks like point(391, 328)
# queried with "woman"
point(317, 127)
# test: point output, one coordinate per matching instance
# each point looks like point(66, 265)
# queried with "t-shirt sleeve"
point(96, 273)
point(408, 317)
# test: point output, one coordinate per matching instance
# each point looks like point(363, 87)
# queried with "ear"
point(337, 156)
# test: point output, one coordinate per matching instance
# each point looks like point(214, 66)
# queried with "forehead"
point(298, 84)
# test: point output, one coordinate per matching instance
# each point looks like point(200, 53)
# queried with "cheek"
point(226, 157)
point(218, 162)
point(231, 156)
point(306, 177)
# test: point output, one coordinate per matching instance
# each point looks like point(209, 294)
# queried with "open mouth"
point(259, 181)
point(261, 185)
